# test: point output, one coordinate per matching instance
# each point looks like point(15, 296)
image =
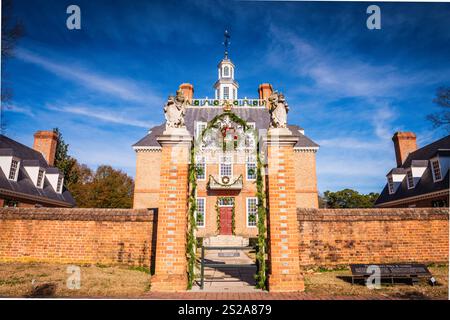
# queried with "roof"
point(426, 184)
point(260, 116)
point(24, 185)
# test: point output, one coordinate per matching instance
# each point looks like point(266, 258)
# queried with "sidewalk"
point(252, 296)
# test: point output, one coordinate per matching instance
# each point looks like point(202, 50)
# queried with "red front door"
point(225, 220)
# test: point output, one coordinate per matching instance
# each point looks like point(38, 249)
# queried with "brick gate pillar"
point(283, 228)
point(170, 258)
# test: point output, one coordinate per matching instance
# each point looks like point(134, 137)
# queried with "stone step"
point(226, 241)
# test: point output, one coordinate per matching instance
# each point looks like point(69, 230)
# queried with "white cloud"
point(122, 88)
point(103, 115)
point(19, 109)
point(337, 74)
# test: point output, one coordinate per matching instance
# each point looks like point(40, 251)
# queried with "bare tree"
point(442, 118)
point(12, 30)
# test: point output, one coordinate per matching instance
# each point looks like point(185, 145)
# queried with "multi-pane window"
point(410, 179)
point(226, 167)
point(201, 168)
point(226, 71)
point(252, 212)
point(59, 185)
point(226, 93)
point(251, 168)
point(391, 185)
point(436, 170)
point(234, 93)
point(200, 214)
point(199, 130)
point(13, 170)
point(40, 179)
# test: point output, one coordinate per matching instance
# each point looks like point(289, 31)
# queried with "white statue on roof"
point(175, 110)
point(278, 109)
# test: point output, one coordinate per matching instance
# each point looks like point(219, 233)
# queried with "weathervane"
point(226, 43)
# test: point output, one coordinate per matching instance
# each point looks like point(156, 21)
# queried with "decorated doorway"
point(225, 215)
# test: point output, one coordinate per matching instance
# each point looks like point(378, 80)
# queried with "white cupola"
point(226, 87)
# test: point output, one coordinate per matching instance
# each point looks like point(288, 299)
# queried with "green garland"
point(260, 193)
point(262, 243)
point(192, 225)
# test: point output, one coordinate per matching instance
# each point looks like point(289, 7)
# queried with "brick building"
point(226, 193)
point(27, 175)
point(421, 178)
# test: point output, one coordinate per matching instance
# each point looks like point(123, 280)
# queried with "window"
point(390, 185)
point(234, 94)
point(251, 168)
point(226, 167)
point(200, 214)
point(40, 179)
point(13, 170)
point(226, 202)
point(199, 129)
point(410, 179)
point(436, 168)
point(201, 168)
point(59, 185)
point(439, 203)
point(226, 93)
point(226, 71)
point(252, 212)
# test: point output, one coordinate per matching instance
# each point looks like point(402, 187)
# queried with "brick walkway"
point(252, 296)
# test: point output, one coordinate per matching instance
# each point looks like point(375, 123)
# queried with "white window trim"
point(59, 190)
point(16, 174)
point(246, 171)
point(407, 180)
point(198, 132)
point(432, 169)
point(204, 213)
point(389, 185)
point(246, 212)
point(232, 167)
point(41, 185)
point(204, 170)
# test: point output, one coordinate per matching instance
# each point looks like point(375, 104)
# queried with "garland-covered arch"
point(260, 194)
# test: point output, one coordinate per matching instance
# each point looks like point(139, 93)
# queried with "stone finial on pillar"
point(170, 259)
point(284, 262)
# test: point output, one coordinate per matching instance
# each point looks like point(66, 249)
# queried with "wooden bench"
point(412, 271)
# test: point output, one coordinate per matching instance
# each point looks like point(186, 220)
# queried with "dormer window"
point(410, 179)
point(436, 169)
point(391, 185)
point(40, 179)
point(13, 170)
point(60, 184)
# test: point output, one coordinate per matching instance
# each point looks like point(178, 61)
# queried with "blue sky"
point(350, 88)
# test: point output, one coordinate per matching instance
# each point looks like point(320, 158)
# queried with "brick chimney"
point(45, 142)
point(188, 90)
point(265, 90)
point(404, 144)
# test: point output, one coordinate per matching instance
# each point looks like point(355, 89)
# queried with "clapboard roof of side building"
point(425, 185)
point(24, 186)
point(259, 116)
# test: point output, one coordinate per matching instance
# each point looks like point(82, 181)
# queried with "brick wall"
point(306, 179)
point(147, 180)
point(107, 236)
point(340, 237)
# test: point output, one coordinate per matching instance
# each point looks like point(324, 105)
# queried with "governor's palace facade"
point(226, 180)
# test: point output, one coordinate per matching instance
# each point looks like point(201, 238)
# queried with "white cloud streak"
point(101, 114)
point(121, 88)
